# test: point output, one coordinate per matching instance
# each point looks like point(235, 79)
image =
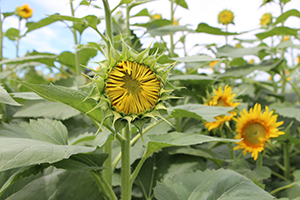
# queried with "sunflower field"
point(133, 114)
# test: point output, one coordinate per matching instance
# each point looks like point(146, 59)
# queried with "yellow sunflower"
point(24, 11)
point(222, 98)
point(132, 88)
point(266, 19)
point(225, 17)
point(255, 128)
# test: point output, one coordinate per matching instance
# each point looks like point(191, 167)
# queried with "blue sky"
point(57, 37)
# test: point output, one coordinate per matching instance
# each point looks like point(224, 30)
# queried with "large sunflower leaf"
point(199, 111)
point(55, 184)
point(287, 14)
point(205, 28)
point(282, 30)
point(41, 141)
point(179, 139)
point(74, 98)
point(47, 109)
point(6, 98)
point(209, 185)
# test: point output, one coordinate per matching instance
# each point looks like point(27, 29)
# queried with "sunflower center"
point(132, 88)
point(254, 132)
point(132, 85)
point(26, 10)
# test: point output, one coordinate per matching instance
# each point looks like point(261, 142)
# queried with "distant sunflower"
point(226, 17)
point(132, 87)
point(255, 128)
point(266, 19)
point(222, 98)
point(24, 11)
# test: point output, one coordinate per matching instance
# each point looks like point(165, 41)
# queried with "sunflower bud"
point(266, 19)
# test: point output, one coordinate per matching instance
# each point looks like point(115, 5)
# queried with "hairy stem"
point(125, 170)
point(77, 62)
point(128, 32)
point(286, 160)
point(171, 35)
point(105, 188)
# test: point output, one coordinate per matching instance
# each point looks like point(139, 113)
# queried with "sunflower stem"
point(171, 35)
point(125, 170)
point(105, 188)
point(259, 161)
point(18, 39)
point(286, 160)
point(108, 23)
point(107, 173)
point(77, 66)
point(282, 188)
point(1, 41)
point(128, 24)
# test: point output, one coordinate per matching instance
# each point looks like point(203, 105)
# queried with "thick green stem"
point(126, 185)
point(282, 188)
point(3, 112)
point(226, 36)
point(171, 35)
point(105, 188)
point(231, 151)
point(18, 39)
point(259, 161)
point(286, 160)
point(77, 59)
point(128, 32)
point(107, 173)
point(108, 23)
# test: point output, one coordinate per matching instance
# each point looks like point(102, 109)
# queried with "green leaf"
point(281, 30)
point(125, 1)
point(5, 74)
point(46, 109)
point(74, 98)
point(179, 139)
point(67, 58)
point(83, 162)
point(168, 29)
point(199, 111)
point(36, 25)
point(56, 184)
point(245, 70)
point(143, 12)
point(7, 14)
point(26, 95)
point(13, 34)
point(287, 112)
point(6, 98)
point(198, 58)
point(229, 51)
point(182, 3)
point(287, 14)
point(205, 28)
point(41, 141)
point(191, 77)
point(37, 58)
point(210, 184)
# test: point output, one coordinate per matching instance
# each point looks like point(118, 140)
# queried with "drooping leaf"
point(74, 98)
point(13, 34)
point(37, 58)
point(6, 98)
point(287, 14)
point(143, 12)
point(168, 29)
point(199, 111)
point(211, 184)
point(182, 3)
point(26, 95)
point(46, 109)
point(229, 51)
point(205, 28)
point(245, 70)
point(41, 141)
point(5, 74)
point(281, 30)
point(200, 58)
point(36, 25)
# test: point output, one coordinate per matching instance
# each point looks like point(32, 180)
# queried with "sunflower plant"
point(118, 117)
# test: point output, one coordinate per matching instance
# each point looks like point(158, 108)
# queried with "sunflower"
point(132, 88)
point(225, 17)
point(222, 98)
point(255, 128)
point(266, 19)
point(131, 85)
point(24, 11)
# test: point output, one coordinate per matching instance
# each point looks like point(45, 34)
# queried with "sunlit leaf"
point(168, 29)
point(182, 3)
point(12, 34)
point(210, 184)
point(205, 28)
point(229, 51)
point(199, 58)
point(6, 98)
point(281, 30)
point(287, 14)
point(36, 25)
point(41, 141)
point(38, 58)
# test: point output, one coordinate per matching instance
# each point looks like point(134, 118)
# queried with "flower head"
point(255, 128)
point(266, 19)
point(221, 98)
point(213, 63)
point(226, 17)
point(156, 16)
point(131, 85)
point(24, 11)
